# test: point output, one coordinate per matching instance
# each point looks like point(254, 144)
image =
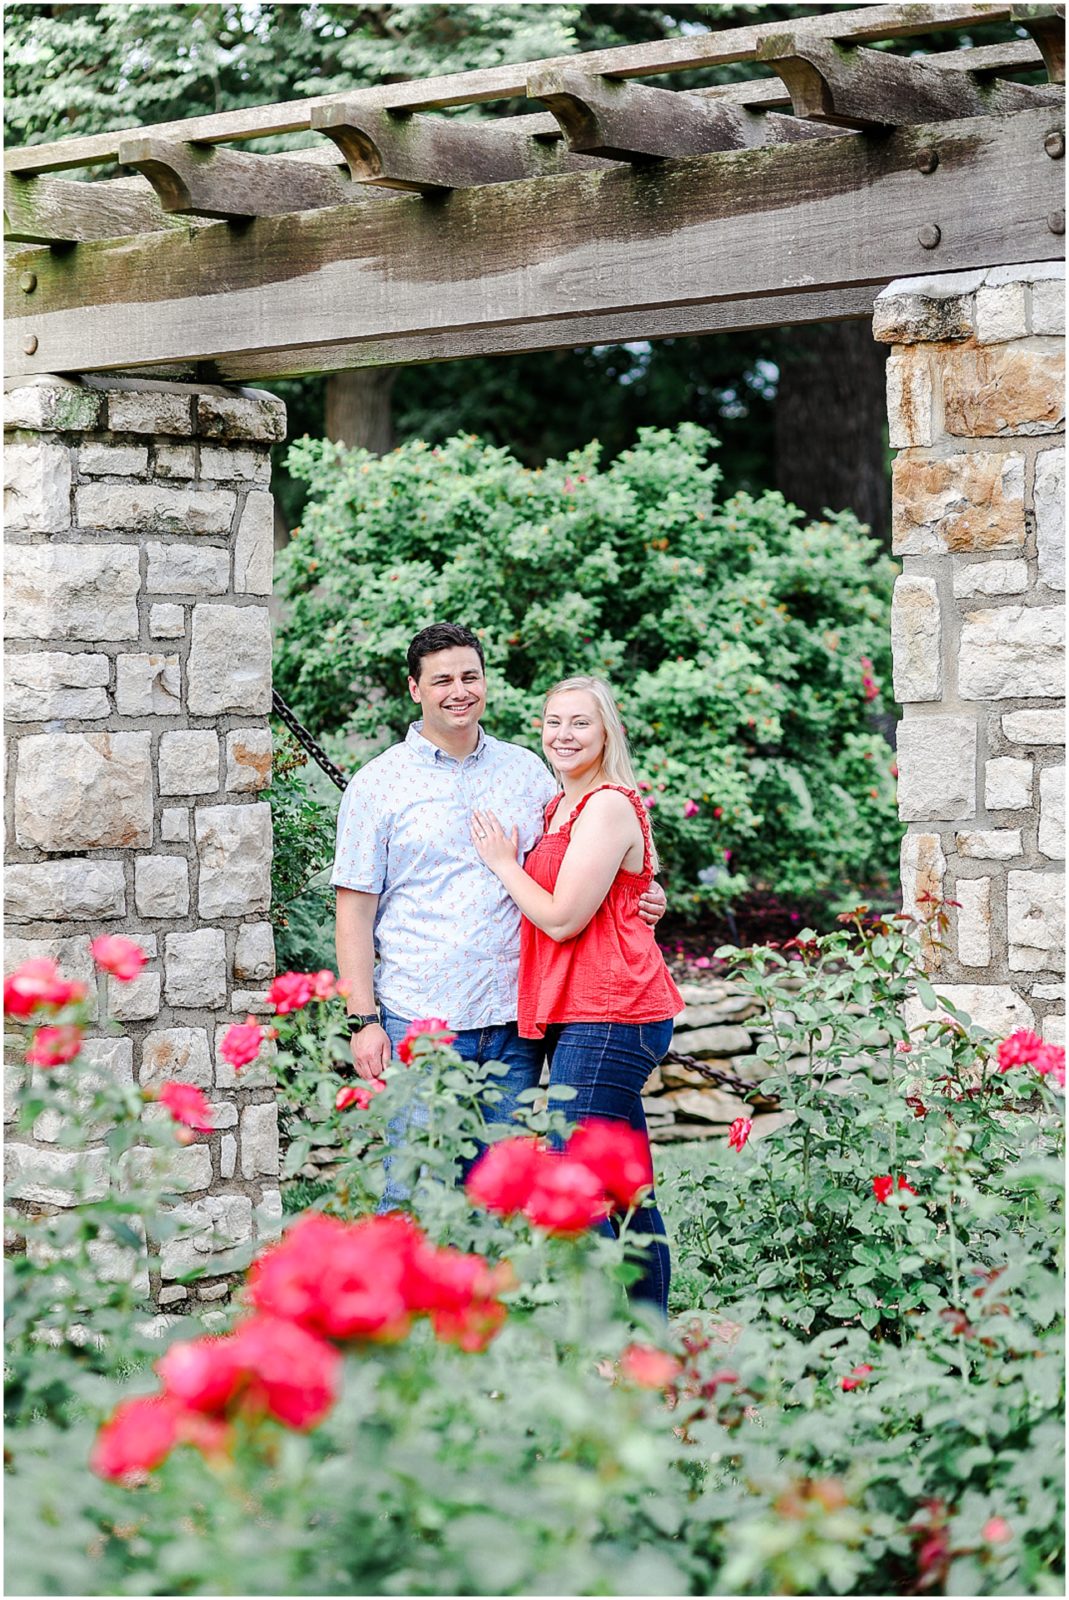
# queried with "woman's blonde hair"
point(616, 758)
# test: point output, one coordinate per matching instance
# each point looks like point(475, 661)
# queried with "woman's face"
point(573, 734)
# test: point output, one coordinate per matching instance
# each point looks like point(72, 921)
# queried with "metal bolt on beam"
point(1054, 145)
point(28, 282)
point(29, 344)
point(930, 235)
point(926, 160)
point(1056, 221)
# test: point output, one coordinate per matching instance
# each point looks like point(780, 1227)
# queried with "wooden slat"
point(232, 183)
point(57, 211)
point(859, 88)
point(430, 154)
point(718, 48)
point(826, 213)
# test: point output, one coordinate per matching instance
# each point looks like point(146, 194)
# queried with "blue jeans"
point(607, 1064)
point(501, 1042)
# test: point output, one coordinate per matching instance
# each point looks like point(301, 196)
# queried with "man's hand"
point(652, 905)
point(371, 1051)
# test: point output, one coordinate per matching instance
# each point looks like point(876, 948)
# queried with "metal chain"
point(301, 734)
point(725, 1080)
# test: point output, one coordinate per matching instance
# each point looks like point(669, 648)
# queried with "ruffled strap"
point(640, 812)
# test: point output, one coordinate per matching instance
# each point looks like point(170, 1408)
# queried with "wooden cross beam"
point(1046, 24)
point(232, 183)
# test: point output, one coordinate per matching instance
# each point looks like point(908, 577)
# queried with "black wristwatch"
point(357, 1021)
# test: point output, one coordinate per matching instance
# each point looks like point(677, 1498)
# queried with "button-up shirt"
point(448, 935)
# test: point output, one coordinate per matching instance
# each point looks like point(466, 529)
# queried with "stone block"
point(926, 310)
point(228, 1155)
point(150, 411)
point(995, 1007)
point(104, 1064)
point(167, 621)
point(70, 955)
point(717, 1042)
point(195, 965)
point(923, 869)
point(973, 921)
point(1012, 652)
point(1049, 496)
point(993, 844)
point(227, 465)
point(53, 684)
point(189, 761)
point(74, 592)
point(37, 486)
point(254, 1000)
point(117, 1263)
point(254, 952)
point(192, 569)
point(248, 759)
point(213, 1291)
point(55, 1177)
point(909, 397)
point(176, 461)
point(936, 769)
point(268, 1214)
point(1051, 813)
point(64, 891)
point(1054, 1029)
point(971, 502)
point(148, 686)
point(84, 791)
point(181, 1171)
point(136, 1000)
point(234, 852)
point(178, 1053)
point(1035, 918)
point(153, 508)
point(252, 415)
point(991, 577)
point(1048, 991)
point(161, 886)
point(254, 547)
point(210, 1227)
point(1001, 312)
point(1008, 784)
point(98, 460)
point(1002, 391)
point(174, 825)
point(257, 1075)
point(916, 639)
point(1035, 727)
point(230, 661)
point(1048, 307)
point(258, 1140)
point(51, 405)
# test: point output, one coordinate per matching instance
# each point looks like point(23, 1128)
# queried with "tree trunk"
point(831, 423)
point(358, 408)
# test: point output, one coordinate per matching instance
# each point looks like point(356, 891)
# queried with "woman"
point(592, 980)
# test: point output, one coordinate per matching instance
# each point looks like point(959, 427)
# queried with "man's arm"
point(354, 938)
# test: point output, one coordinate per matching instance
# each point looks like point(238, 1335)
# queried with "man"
point(408, 878)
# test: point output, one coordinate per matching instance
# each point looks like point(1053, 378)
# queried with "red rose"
point(648, 1367)
point(856, 1377)
point(287, 1371)
point(241, 1043)
point(53, 1044)
point(905, 1186)
point(566, 1198)
point(187, 1104)
point(340, 1280)
point(502, 1179)
point(201, 1374)
point(434, 1027)
point(358, 1094)
point(739, 1132)
point(38, 983)
point(137, 1437)
point(459, 1293)
point(617, 1155)
point(121, 957)
point(291, 991)
point(1021, 1049)
point(324, 985)
point(881, 1188)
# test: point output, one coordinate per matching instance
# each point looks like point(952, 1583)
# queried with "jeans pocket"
point(654, 1039)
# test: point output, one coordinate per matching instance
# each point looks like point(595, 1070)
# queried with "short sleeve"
point(361, 848)
point(543, 785)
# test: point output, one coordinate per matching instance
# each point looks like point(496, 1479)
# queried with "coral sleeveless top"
point(610, 972)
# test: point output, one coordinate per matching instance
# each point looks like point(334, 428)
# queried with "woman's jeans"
point(502, 1042)
point(607, 1063)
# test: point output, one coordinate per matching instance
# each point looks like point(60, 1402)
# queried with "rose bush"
point(860, 1391)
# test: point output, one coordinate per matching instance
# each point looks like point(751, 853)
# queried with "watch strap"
point(358, 1020)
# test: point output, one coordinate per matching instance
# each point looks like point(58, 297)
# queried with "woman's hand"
point(497, 849)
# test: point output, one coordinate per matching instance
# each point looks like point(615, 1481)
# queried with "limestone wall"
point(138, 668)
point(976, 411)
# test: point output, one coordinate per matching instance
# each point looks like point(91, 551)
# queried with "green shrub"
point(748, 647)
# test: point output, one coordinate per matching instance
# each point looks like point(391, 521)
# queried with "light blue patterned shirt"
point(448, 935)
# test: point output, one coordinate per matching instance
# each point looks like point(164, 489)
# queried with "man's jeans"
point(523, 1057)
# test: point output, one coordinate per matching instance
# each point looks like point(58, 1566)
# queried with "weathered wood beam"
point(232, 183)
point(858, 88)
point(825, 213)
point(630, 122)
point(429, 154)
point(623, 327)
point(716, 48)
point(1046, 24)
point(57, 211)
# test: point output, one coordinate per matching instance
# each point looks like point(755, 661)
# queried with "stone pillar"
point(976, 408)
point(138, 574)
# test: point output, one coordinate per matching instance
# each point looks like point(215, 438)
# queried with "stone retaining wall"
point(138, 663)
point(976, 410)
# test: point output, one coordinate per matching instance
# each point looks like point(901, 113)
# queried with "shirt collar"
point(432, 755)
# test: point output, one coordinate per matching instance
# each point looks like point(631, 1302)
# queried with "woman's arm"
point(603, 835)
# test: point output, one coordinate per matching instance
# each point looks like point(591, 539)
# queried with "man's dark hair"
point(440, 636)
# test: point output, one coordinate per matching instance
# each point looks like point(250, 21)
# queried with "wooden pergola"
point(619, 211)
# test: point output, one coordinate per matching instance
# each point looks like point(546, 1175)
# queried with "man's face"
point(451, 690)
